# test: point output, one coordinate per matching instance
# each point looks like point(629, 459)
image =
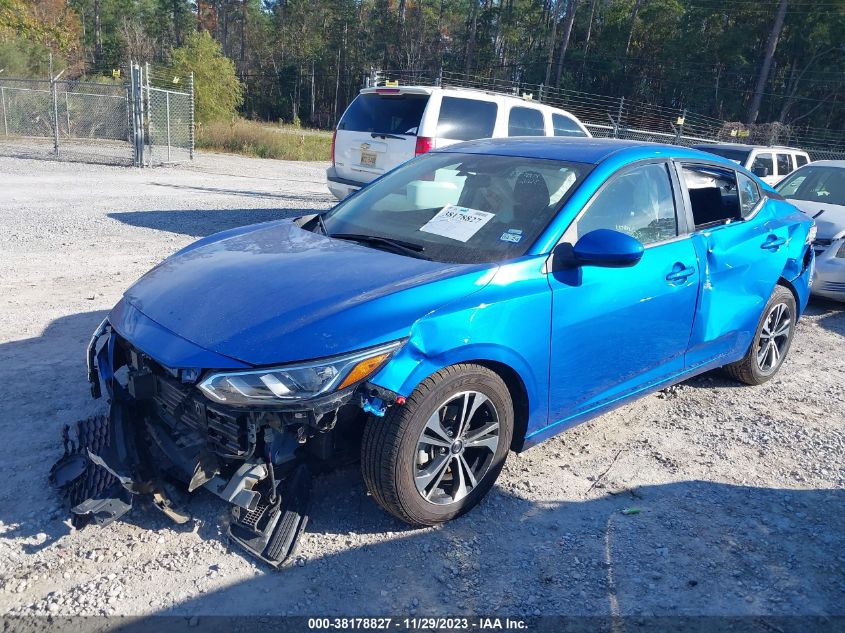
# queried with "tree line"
point(741, 60)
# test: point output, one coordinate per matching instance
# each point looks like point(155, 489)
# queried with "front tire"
point(771, 340)
point(435, 457)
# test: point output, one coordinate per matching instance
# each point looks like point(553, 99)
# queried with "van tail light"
point(334, 138)
point(424, 144)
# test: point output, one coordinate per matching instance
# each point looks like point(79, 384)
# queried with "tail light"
point(334, 138)
point(424, 144)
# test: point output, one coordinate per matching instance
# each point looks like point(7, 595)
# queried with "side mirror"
point(602, 247)
point(760, 172)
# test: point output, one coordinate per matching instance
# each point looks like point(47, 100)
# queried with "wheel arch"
point(519, 398)
point(528, 391)
point(783, 281)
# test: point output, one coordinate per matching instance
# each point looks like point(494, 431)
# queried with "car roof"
point(577, 149)
point(748, 147)
point(469, 92)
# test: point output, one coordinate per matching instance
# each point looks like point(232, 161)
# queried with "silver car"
point(818, 189)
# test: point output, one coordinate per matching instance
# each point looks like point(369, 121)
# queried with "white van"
point(769, 164)
point(385, 126)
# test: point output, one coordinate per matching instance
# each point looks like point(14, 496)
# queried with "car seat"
point(530, 198)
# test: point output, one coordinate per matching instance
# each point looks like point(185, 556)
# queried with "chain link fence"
point(170, 117)
point(117, 122)
point(619, 117)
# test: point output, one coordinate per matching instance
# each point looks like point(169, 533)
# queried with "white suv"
point(769, 164)
point(385, 126)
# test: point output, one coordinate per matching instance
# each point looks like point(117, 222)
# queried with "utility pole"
point(765, 68)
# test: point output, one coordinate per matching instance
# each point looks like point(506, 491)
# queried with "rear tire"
point(771, 343)
point(435, 457)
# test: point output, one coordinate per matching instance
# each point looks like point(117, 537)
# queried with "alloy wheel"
point(774, 338)
point(456, 448)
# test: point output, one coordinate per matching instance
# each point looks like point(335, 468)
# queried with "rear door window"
point(384, 114)
point(801, 160)
point(526, 122)
point(565, 126)
point(713, 195)
point(784, 164)
point(466, 119)
point(763, 161)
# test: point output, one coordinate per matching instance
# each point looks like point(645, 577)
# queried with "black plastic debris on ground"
point(89, 491)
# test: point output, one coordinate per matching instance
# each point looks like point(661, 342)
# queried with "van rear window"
point(466, 119)
point(564, 126)
point(526, 122)
point(384, 114)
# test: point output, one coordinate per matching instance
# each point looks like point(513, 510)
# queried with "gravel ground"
point(708, 498)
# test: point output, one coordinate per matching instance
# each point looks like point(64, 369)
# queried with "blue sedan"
point(476, 300)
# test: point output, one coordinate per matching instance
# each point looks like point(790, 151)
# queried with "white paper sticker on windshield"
point(457, 223)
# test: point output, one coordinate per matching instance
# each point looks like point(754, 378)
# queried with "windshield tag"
point(457, 223)
point(511, 235)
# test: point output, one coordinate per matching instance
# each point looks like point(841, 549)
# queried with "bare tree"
point(473, 27)
point(139, 46)
point(637, 6)
point(571, 7)
point(763, 77)
point(552, 40)
point(590, 25)
point(98, 35)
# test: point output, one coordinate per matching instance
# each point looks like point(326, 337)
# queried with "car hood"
point(275, 293)
point(830, 218)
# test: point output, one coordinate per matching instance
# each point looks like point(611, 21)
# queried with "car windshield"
point(816, 184)
point(736, 155)
point(460, 208)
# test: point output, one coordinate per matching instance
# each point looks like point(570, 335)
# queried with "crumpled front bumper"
point(164, 439)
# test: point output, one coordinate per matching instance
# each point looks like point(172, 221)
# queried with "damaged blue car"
point(476, 300)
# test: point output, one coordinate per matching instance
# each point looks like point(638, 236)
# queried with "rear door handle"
point(680, 273)
point(773, 242)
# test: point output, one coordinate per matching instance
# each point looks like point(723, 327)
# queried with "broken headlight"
point(298, 381)
point(811, 234)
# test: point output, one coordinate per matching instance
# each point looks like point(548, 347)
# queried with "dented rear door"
point(740, 264)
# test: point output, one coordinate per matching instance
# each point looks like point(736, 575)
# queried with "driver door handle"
point(773, 243)
point(680, 273)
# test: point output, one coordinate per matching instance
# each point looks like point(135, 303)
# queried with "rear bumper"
point(341, 187)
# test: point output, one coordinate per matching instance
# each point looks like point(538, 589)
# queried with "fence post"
point(148, 120)
point(3, 102)
point(137, 116)
point(679, 131)
point(67, 113)
point(55, 116)
point(619, 117)
point(191, 131)
point(167, 111)
point(132, 113)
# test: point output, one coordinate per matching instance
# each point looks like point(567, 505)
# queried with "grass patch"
point(265, 140)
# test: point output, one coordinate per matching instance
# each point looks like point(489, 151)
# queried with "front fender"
point(507, 322)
